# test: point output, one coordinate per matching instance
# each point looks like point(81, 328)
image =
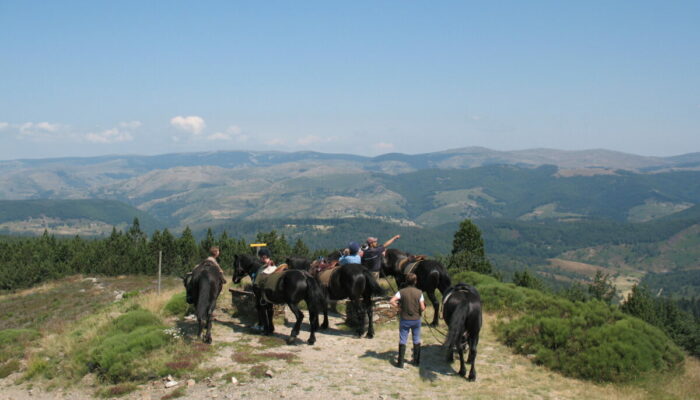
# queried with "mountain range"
point(199, 189)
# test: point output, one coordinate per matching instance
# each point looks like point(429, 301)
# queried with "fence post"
point(160, 260)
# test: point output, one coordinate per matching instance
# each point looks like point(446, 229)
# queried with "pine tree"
point(468, 249)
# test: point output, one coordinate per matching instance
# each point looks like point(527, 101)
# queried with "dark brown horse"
point(462, 313)
point(288, 287)
point(430, 273)
point(203, 287)
point(352, 282)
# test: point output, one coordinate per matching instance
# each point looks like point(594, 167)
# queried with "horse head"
point(243, 265)
point(391, 261)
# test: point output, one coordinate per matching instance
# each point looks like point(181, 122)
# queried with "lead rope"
point(432, 330)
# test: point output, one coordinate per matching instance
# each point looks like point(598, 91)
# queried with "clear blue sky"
point(83, 78)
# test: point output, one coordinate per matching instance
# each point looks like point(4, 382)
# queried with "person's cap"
point(354, 247)
point(371, 239)
point(264, 252)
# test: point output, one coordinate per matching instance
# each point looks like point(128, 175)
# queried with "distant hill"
point(199, 189)
point(70, 217)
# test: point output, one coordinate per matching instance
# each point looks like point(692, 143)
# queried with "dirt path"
point(340, 366)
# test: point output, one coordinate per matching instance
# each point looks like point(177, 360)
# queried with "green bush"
point(588, 340)
point(118, 355)
point(177, 305)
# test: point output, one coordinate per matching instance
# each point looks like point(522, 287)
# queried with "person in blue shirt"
point(351, 254)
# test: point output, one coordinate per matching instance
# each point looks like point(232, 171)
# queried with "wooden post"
point(160, 261)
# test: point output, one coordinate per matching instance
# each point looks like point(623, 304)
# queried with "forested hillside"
point(74, 216)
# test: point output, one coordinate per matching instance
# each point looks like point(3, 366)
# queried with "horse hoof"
point(471, 378)
point(311, 341)
point(462, 373)
point(291, 340)
point(433, 324)
point(370, 336)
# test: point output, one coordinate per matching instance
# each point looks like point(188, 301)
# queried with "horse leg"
point(361, 312)
point(297, 325)
point(370, 326)
point(473, 341)
point(269, 314)
point(199, 328)
point(436, 307)
point(462, 368)
point(207, 336)
point(325, 311)
point(313, 323)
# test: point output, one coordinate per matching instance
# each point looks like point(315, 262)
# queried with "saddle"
point(324, 277)
point(269, 281)
point(408, 264)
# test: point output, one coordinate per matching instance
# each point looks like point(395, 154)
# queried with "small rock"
point(190, 382)
point(170, 384)
point(169, 378)
point(234, 380)
point(214, 395)
point(268, 373)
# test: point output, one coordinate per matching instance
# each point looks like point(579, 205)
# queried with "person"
point(372, 256)
point(266, 257)
point(214, 253)
point(411, 305)
point(351, 254)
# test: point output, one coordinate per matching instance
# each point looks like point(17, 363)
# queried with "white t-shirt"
point(398, 296)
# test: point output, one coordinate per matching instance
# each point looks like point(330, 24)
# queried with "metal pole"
point(160, 261)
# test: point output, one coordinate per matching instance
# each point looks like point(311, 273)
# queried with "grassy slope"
point(501, 373)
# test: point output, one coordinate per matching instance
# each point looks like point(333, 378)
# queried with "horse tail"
point(204, 289)
point(457, 324)
point(374, 286)
point(315, 299)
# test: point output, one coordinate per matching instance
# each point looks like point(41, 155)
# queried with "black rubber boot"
point(402, 353)
point(416, 354)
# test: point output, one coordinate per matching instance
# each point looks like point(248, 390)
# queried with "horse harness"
point(408, 264)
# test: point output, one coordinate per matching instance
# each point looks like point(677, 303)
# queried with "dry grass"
point(578, 267)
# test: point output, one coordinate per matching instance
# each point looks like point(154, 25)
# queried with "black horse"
point(430, 273)
point(203, 287)
point(462, 313)
point(296, 262)
point(287, 287)
point(353, 282)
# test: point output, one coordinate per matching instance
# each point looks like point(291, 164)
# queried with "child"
point(411, 302)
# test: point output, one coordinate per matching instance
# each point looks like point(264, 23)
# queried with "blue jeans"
point(404, 326)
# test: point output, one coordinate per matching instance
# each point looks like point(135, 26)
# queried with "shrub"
point(119, 355)
point(177, 305)
point(589, 340)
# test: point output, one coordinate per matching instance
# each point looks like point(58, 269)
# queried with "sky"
point(90, 78)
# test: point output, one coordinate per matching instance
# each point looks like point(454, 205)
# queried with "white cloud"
point(232, 133)
point(130, 124)
point(32, 128)
point(113, 135)
point(192, 124)
point(383, 146)
point(3, 125)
